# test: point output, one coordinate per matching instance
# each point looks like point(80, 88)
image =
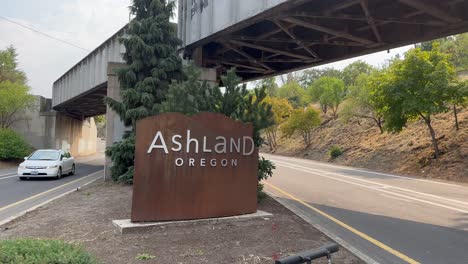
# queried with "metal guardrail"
point(309, 255)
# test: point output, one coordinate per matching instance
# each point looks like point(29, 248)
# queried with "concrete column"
point(114, 126)
point(209, 75)
point(76, 136)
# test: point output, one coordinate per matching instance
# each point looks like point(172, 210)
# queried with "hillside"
point(407, 153)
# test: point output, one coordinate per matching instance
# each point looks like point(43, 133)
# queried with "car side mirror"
point(25, 158)
point(64, 158)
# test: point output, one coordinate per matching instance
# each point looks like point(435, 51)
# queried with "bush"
point(38, 251)
point(12, 145)
point(335, 152)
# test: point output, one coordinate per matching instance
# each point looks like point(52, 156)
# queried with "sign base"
point(126, 226)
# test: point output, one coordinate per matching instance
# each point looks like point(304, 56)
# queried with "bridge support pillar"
point(114, 126)
point(209, 75)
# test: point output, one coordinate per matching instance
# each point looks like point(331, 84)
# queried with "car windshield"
point(44, 155)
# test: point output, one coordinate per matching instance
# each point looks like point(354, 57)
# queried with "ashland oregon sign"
point(193, 167)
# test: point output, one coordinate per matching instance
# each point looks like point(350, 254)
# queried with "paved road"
point(389, 218)
point(17, 196)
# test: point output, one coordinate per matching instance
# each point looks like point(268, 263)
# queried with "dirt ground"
point(408, 152)
point(85, 217)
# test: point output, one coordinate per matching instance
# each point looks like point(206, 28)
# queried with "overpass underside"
point(304, 33)
point(87, 104)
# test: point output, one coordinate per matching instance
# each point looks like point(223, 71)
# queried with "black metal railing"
point(309, 255)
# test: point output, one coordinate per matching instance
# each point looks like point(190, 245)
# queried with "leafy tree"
point(355, 69)
point(152, 63)
point(292, 92)
point(14, 100)
point(415, 87)
point(329, 92)
point(360, 104)
point(281, 109)
point(9, 67)
point(309, 76)
point(455, 46)
point(100, 119)
point(302, 121)
point(458, 94)
point(270, 85)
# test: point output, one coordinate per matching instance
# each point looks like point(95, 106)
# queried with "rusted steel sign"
point(193, 167)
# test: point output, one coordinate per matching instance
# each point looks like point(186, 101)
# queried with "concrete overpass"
point(260, 38)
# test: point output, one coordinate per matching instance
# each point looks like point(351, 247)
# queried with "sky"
point(84, 23)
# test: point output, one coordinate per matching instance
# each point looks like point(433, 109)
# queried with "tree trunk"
point(269, 140)
point(456, 117)
point(379, 124)
point(273, 135)
point(435, 145)
point(324, 109)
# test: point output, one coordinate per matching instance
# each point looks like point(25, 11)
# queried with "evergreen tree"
point(152, 63)
point(9, 67)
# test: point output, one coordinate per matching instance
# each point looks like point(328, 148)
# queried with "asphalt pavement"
point(18, 197)
point(381, 217)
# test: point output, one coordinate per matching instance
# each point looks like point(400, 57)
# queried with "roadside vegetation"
point(41, 251)
point(14, 101)
point(420, 90)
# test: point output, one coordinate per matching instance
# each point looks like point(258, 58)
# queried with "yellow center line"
point(348, 227)
point(46, 192)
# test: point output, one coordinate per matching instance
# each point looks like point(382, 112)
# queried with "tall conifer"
point(152, 63)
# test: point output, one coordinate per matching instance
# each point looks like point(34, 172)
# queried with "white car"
point(46, 163)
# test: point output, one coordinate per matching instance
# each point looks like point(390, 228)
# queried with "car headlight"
point(52, 167)
point(22, 166)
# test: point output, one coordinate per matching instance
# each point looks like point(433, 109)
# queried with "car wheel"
point(72, 172)
point(59, 173)
point(22, 178)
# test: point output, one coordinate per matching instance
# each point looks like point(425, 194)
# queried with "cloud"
point(85, 23)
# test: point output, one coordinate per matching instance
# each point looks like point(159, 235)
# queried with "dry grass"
point(408, 152)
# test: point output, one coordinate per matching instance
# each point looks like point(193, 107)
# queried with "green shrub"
point(39, 251)
point(335, 152)
point(12, 145)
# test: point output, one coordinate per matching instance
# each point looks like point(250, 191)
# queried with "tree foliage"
point(292, 92)
point(14, 100)
point(328, 92)
point(270, 85)
point(301, 121)
point(9, 67)
point(415, 87)
point(152, 63)
point(281, 109)
point(455, 46)
point(360, 104)
point(309, 76)
point(458, 94)
point(352, 71)
point(12, 145)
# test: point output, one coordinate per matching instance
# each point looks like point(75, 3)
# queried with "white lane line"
point(48, 191)
point(395, 198)
point(382, 184)
point(2, 222)
point(310, 162)
point(4, 178)
point(380, 190)
point(11, 173)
